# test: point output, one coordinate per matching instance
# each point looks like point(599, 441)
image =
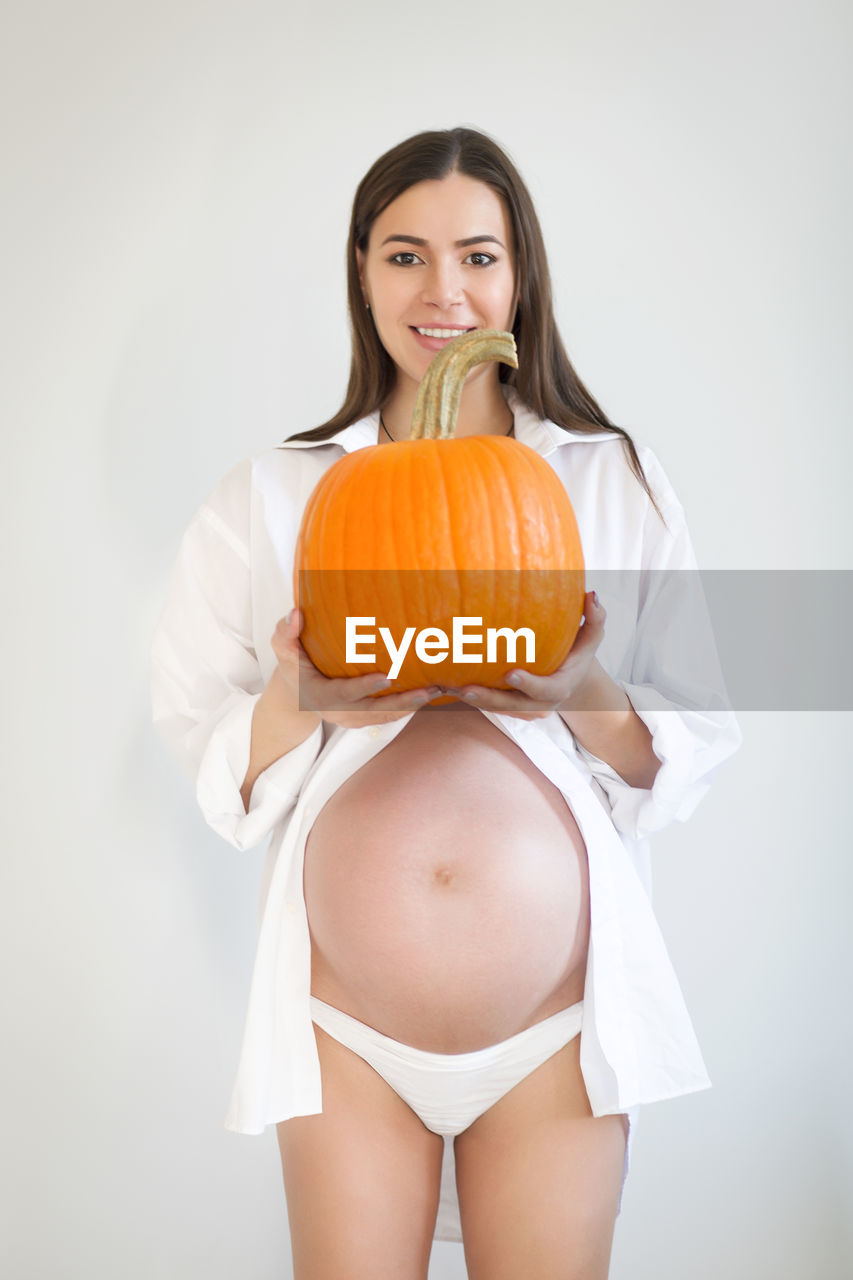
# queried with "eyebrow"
point(460, 244)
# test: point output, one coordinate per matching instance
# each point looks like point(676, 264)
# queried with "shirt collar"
point(356, 436)
point(537, 433)
point(540, 433)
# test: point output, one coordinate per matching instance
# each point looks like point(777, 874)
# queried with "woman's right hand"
point(345, 700)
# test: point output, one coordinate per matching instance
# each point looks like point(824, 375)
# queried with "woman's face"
point(440, 257)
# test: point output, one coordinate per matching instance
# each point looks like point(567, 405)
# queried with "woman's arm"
point(603, 721)
point(597, 711)
point(298, 698)
point(276, 729)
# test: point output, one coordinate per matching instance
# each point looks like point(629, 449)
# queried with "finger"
point(540, 688)
point(342, 690)
point(392, 705)
point(406, 700)
point(345, 692)
point(382, 710)
point(506, 702)
point(591, 631)
point(286, 634)
point(594, 612)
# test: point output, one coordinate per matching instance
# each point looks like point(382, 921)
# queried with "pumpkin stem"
point(437, 402)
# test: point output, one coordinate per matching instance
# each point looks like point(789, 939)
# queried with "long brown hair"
point(545, 379)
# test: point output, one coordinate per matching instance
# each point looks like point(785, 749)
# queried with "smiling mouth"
point(440, 333)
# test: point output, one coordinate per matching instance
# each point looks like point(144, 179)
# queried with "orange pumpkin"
point(421, 532)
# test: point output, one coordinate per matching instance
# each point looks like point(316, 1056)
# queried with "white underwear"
point(448, 1091)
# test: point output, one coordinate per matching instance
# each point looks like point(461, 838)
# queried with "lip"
point(437, 344)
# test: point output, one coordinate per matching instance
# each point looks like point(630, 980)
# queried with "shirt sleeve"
point(671, 675)
point(205, 674)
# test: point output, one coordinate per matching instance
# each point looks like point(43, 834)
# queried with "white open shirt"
point(211, 658)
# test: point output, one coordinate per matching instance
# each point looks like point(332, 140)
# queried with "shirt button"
point(374, 731)
point(292, 907)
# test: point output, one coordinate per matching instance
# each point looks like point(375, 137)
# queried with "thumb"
point(593, 610)
point(286, 633)
point(592, 630)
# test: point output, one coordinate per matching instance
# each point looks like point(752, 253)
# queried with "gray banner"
point(749, 640)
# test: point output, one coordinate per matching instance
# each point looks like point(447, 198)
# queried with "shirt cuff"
point(223, 769)
point(691, 745)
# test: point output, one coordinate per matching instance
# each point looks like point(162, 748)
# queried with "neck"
point(482, 409)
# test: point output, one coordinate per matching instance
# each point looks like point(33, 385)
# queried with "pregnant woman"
point(460, 997)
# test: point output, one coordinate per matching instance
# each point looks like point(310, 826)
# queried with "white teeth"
point(442, 333)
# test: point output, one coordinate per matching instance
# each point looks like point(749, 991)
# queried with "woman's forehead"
point(452, 209)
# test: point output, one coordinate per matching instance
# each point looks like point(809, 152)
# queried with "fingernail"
point(513, 678)
point(470, 697)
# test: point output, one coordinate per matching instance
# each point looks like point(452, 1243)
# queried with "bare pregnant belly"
point(447, 889)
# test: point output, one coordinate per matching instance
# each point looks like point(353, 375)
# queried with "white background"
point(177, 182)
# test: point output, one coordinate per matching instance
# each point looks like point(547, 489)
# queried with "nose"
point(442, 284)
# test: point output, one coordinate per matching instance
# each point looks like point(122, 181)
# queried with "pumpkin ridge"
point(518, 477)
point(424, 475)
point(425, 554)
point(319, 622)
point(515, 472)
point(532, 516)
point(502, 583)
point(343, 592)
point(509, 545)
point(344, 488)
point(446, 479)
point(564, 549)
point(410, 582)
point(398, 554)
point(512, 549)
point(486, 506)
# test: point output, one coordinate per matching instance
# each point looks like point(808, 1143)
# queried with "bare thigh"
point(362, 1179)
point(539, 1180)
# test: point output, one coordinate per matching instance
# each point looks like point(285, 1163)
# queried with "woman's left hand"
point(534, 697)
